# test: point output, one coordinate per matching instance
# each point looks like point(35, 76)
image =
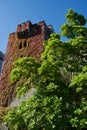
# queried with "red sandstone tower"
point(26, 41)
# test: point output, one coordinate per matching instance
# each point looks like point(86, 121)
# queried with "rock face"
point(1, 60)
point(3, 127)
point(26, 41)
point(17, 101)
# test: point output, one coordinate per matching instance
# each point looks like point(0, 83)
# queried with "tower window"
point(25, 44)
point(21, 56)
point(20, 46)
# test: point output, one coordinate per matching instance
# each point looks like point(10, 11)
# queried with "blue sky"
point(14, 12)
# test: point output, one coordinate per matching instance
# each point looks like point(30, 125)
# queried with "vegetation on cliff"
point(60, 80)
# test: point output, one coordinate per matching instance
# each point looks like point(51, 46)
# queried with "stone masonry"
point(26, 41)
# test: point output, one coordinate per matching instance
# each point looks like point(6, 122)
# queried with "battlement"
point(23, 26)
point(27, 29)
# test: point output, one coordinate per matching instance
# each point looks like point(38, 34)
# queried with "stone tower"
point(1, 60)
point(26, 41)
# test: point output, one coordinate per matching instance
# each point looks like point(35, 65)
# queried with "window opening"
point(20, 46)
point(21, 56)
point(25, 44)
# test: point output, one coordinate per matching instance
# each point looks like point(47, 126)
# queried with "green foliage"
point(75, 18)
point(60, 80)
point(74, 26)
point(24, 73)
point(35, 112)
point(79, 83)
point(23, 68)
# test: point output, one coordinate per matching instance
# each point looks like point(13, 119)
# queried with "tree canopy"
point(60, 80)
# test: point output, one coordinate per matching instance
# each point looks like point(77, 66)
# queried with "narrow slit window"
point(20, 46)
point(25, 44)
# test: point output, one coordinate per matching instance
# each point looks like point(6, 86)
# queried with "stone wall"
point(26, 41)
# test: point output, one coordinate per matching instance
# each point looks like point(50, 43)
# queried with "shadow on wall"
point(1, 60)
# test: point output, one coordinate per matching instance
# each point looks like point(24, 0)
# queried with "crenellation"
point(23, 30)
point(19, 27)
